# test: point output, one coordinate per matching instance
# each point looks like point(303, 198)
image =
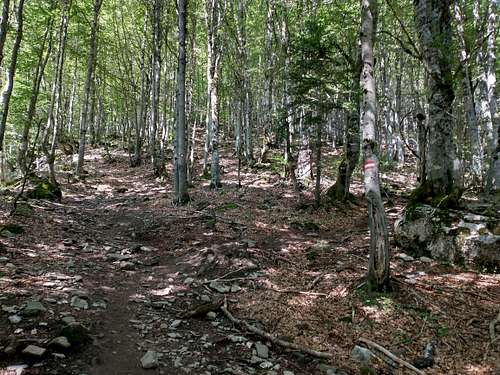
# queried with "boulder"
point(44, 189)
point(458, 237)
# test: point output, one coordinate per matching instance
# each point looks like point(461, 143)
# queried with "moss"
point(13, 228)
point(426, 194)
point(44, 189)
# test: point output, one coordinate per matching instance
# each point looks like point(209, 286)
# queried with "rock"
point(189, 281)
point(4, 260)
point(16, 369)
point(286, 372)
point(60, 342)
point(149, 360)
point(235, 288)
point(34, 351)
point(237, 339)
point(176, 323)
point(127, 266)
point(211, 315)
point(68, 320)
point(205, 298)
point(405, 257)
point(15, 319)
point(151, 261)
point(77, 334)
point(362, 355)
point(262, 350)
point(425, 260)
point(33, 308)
point(117, 257)
point(174, 335)
point(219, 287)
point(449, 236)
point(79, 303)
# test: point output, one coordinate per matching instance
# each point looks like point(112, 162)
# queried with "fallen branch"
point(220, 278)
point(271, 338)
point(383, 350)
point(492, 327)
point(315, 282)
point(291, 291)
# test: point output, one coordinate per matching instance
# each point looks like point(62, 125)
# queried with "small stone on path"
point(150, 360)
point(34, 351)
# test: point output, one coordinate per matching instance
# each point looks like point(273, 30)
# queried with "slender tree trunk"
point(43, 58)
point(180, 164)
point(9, 84)
point(87, 91)
point(493, 176)
point(340, 190)
point(378, 268)
point(4, 22)
point(155, 83)
point(433, 21)
point(213, 21)
point(55, 110)
point(470, 106)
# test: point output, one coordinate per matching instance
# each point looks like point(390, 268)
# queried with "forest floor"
point(118, 258)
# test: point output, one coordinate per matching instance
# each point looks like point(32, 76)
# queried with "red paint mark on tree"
point(369, 164)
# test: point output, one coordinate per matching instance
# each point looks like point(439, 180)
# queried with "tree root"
point(492, 328)
point(273, 339)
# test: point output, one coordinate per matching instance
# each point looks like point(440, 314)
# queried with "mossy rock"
point(44, 189)
point(77, 334)
point(13, 228)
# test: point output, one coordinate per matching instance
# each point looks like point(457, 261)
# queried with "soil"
point(117, 241)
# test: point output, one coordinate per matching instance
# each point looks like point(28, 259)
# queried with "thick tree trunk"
point(433, 21)
point(87, 91)
point(378, 268)
point(9, 84)
point(180, 163)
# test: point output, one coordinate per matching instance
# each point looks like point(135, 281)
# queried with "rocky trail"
point(115, 280)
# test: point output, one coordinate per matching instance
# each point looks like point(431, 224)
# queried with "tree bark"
point(378, 267)
point(180, 163)
point(88, 83)
point(22, 157)
point(433, 22)
point(155, 86)
point(4, 22)
point(7, 90)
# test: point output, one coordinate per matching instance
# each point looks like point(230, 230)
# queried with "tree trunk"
point(378, 268)
point(213, 22)
point(7, 90)
point(55, 110)
point(340, 190)
point(4, 22)
point(433, 21)
point(470, 106)
point(180, 164)
point(155, 86)
point(87, 91)
point(22, 157)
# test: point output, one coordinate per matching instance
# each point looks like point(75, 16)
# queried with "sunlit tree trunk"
point(180, 164)
point(87, 90)
point(11, 71)
point(378, 268)
point(433, 20)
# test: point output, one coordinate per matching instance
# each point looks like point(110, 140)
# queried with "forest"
point(277, 187)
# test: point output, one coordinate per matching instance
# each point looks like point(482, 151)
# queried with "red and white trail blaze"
point(369, 164)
